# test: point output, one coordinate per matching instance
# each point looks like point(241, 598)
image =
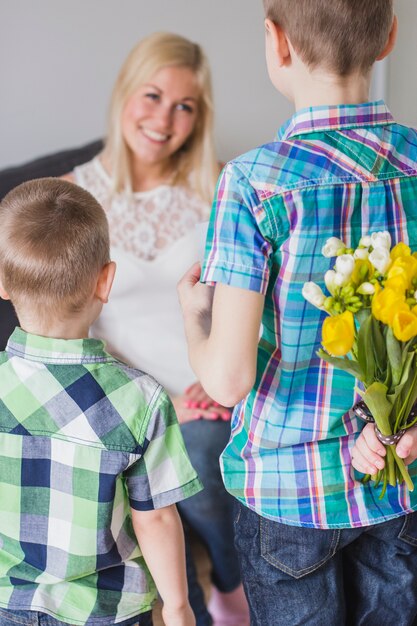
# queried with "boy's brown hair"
point(54, 240)
point(344, 36)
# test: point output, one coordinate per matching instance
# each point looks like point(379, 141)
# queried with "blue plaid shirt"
point(342, 171)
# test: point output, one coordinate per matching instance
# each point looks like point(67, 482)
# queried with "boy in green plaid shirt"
point(92, 461)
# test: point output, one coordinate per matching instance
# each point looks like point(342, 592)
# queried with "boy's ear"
point(3, 293)
point(105, 281)
point(278, 42)
point(392, 38)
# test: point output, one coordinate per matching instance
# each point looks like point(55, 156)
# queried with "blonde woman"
point(155, 178)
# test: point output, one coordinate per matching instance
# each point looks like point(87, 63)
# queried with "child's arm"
point(161, 539)
point(368, 451)
point(223, 338)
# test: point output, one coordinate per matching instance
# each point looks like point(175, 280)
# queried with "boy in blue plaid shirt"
point(316, 545)
point(92, 461)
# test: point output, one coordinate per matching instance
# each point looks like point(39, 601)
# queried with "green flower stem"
point(403, 469)
point(400, 414)
point(390, 467)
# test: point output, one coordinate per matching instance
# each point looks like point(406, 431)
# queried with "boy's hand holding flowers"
point(368, 452)
point(371, 332)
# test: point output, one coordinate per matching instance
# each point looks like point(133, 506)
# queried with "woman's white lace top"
point(153, 241)
point(144, 223)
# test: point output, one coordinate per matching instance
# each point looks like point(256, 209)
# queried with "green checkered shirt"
point(83, 438)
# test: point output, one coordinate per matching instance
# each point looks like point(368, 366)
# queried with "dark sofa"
point(55, 164)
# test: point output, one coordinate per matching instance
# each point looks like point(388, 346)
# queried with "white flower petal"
point(380, 259)
point(345, 264)
point(313, 294)
point(361, 253)
point(381, 239)
point(365, 241)
point(332, 247)
point(366, 289)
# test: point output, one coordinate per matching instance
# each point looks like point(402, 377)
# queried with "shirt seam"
point(149, 409)
point(292, 521)
point(91, 620)
point(75, 440)
point(332, 127)
point(83, 359)
point(230, 265)
point(243, 169)
point(342, 180)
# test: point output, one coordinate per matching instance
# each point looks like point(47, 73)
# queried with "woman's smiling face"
point(160, 115)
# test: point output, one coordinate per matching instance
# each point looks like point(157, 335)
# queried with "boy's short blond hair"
point(343, 36)
point(54, 240)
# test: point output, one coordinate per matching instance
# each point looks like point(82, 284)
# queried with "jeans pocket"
point(408, 531)
point(294, 550)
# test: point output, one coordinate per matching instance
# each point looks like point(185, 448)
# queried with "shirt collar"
point(58, 351)
point(323, 118)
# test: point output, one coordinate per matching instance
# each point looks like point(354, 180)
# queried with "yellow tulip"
point(404, 325)
point(387, 302)
point(400, 250)
point(398, 279)
point(362, 271)
point(405, 266)
point(338, 334)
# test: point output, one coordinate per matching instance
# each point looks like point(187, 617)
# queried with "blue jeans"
point(33, 618)
point(356, 577)
point(209, 514)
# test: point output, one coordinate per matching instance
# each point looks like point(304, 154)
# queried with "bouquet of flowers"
point(371, 332)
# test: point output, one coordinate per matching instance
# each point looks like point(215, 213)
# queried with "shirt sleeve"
point(163, 475)
point(237, 253)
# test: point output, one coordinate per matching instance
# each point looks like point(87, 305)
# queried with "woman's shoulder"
point(93, 177)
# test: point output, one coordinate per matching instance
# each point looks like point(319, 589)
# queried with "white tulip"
point(332, 247)
point(366, 289)
point(330, 280)
point(313, 294)
point(381, 239)
point(365, 241)
point(340, 279)
point(380, 259)
point(415, 295)
point(345, 264)
point(361, 253)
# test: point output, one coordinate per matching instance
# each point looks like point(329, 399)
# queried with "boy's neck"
point(318, 88)
point(56, 328)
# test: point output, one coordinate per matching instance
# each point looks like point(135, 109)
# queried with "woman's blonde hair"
point(195, 163)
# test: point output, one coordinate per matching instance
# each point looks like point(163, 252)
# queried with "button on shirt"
point(340, 171)
point(82, 439)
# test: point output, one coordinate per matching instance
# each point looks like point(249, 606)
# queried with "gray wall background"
point(59, 59)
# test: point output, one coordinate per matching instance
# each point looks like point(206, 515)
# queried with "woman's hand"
point(194, 404)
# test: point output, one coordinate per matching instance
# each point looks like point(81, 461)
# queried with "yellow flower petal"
point(400, 250)
point(338, 334)
point(404, 325)
point(387, 302)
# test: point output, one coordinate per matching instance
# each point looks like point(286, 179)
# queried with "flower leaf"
point(343, 363)
point(395, 357)
point(375, 398)
point(379, 346)
point(365, 353)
